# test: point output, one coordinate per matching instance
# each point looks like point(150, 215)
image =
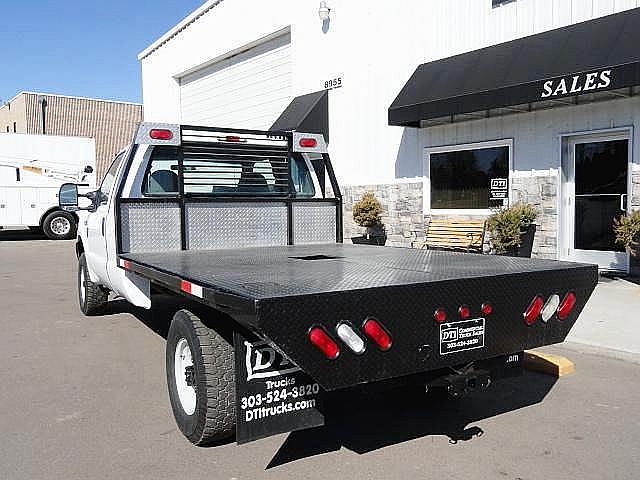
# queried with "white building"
point(454, 123)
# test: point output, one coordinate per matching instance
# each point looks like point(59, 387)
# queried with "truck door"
point(31, 212)
point(95, 224)
point(10, 201)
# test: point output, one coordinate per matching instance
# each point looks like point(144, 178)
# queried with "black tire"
point(54, 225)
point(214, 417)
point(91, 296)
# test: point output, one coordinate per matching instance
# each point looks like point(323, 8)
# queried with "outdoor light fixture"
point(324, 11)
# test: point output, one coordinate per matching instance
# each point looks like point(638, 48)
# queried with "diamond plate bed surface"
point(271, 272)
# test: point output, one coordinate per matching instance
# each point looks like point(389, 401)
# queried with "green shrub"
point(627, 230)
point(366, 211)
point(506, 224)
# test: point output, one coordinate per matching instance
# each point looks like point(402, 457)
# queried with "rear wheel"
point(91, 296)
point(59, 225)
point(201, 380)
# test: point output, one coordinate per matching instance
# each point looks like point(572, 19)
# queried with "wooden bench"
point(461, 235)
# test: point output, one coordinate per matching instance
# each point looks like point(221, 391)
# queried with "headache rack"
point(234, 190)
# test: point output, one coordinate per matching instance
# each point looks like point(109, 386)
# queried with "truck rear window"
point(226, 173)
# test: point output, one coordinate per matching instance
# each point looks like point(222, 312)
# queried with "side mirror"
point(68, 197)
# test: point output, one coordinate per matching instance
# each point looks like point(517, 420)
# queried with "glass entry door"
point(598, 183)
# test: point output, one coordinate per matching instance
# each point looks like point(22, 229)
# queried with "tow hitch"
point(459, 384)
point(479, 375)
point(462, 382)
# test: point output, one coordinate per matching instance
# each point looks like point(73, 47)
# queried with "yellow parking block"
point(548, 363)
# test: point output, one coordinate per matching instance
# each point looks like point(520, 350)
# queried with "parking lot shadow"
point(15, 235)
point(158, 319)
point(366, 423)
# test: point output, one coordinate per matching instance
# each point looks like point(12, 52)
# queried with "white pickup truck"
point(247, 226)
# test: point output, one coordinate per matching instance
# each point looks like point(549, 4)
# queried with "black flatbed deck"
point(280, 292)
point(275, 272)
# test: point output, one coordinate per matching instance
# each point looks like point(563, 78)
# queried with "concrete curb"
point(601, 351)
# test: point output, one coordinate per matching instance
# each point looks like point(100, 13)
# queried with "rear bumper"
point(407, 313)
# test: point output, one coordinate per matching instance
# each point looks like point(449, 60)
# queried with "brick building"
point(110, 123)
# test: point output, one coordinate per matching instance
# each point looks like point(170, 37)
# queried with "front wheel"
point(91, 296)
point(59, 225)
point(201, 380)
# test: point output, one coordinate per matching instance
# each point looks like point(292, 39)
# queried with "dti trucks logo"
point(499, 184)
point(262, 361)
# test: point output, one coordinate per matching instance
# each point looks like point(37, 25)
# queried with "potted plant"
point(627, 230)
point(366, 213)
point(512, 230)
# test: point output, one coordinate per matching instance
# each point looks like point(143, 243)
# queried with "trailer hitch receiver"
point(463, 383)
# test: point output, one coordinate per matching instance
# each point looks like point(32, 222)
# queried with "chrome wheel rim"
point(60, 226)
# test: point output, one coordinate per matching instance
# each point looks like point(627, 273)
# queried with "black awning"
point(583, 59)
point(307, 113)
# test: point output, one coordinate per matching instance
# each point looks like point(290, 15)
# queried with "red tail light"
point(376, 332)
point(161, 134)
point(232, 138)
point(486, 309)
point(533, 310)
point(440, 315)
point(566, 305)
point(324, 343)
point(464, 312)
point(308, 142)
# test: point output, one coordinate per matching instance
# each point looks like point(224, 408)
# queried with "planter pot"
point(526, 244)
point(378, 240)
point(526, 241)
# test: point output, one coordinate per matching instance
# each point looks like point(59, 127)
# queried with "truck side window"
point(162, 173)
point(301, 176)
point(109, 179)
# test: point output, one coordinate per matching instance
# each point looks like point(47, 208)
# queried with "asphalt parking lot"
point(86, 398)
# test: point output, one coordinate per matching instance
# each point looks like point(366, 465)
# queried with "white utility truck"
point(32, 169)
point(245, 228)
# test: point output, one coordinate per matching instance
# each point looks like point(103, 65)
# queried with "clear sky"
point(81, 47)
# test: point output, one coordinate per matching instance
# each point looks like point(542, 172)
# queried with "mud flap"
point(272, 394)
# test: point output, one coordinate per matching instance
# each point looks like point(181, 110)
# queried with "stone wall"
point(403, 213)
point(540, 188)
point(401, 210)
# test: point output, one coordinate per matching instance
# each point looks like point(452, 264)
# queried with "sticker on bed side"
point(273, 395)
point(461, 336)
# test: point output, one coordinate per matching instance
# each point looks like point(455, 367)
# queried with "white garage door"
point(249, 90)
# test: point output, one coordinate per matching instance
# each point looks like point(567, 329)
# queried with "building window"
point(15, 127)
point(7, 128)
point(460, 177)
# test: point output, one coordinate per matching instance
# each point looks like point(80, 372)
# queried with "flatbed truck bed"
point(274, 272)
point(281, 292)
